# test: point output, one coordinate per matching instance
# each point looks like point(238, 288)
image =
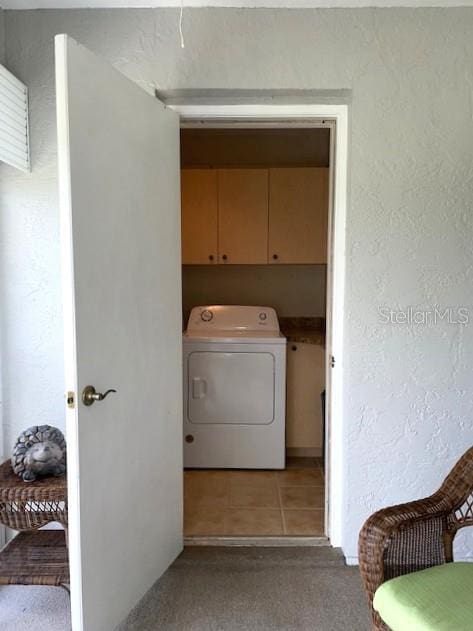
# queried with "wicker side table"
point(33, 557)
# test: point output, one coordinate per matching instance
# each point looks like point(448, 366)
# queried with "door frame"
point(334, 116)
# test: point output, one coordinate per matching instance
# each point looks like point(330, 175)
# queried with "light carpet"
point(25, 608)
point(221, 589)
point(254, 589)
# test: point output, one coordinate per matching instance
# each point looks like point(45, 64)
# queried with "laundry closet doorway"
point(213, 276)
point(131, 205)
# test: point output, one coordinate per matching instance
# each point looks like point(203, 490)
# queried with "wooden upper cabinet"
point(254, 216)
point(298, 215)
point(243, 215)
point(199, 216)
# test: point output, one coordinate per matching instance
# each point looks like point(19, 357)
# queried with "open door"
point(119, 200)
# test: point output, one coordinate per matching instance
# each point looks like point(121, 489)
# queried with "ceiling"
point(296, 4)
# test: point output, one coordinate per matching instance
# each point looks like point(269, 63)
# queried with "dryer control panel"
point(232, 318)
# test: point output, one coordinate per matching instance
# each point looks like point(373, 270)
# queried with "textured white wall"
point(408, 390)
point(30, 309)
point(30, 313)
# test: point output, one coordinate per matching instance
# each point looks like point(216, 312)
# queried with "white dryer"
point(234, 388)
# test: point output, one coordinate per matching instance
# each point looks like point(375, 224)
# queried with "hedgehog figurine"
point(39, 450)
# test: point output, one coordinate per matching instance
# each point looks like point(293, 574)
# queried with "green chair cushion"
point(437, 599)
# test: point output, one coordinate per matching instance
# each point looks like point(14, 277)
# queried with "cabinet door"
point(305, 380)
point(199, 216)
point(298, 214)
point(243, 215)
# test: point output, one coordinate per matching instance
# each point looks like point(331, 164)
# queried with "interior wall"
point(30, 296)
point(293, 290)
point(408, 400)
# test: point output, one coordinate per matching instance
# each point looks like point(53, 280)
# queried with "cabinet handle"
point(275, 257)
point(211, 257)
point(294, 348)
point(224, 257)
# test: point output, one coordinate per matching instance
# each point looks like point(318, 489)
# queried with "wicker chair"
point(416, 535)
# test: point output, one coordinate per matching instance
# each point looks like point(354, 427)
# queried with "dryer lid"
point(232, 321)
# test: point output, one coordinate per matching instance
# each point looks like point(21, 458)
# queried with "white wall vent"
point(14, 141)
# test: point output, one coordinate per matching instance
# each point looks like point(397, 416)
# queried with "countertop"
point(303, 330)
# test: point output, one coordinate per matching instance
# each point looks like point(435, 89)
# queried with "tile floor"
point(255, 503)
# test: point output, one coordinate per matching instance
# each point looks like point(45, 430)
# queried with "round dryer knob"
point(206, 315)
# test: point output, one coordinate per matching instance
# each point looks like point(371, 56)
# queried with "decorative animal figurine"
point(39, 450)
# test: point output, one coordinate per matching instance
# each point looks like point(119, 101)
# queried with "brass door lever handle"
point(89, 395)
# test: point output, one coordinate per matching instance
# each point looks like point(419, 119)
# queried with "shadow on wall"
point(293, 290)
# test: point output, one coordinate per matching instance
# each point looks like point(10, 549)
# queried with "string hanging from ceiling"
point(181, 18)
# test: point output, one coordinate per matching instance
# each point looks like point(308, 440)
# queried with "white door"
point(119, 198)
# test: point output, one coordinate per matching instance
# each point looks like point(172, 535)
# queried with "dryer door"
point(231, 388)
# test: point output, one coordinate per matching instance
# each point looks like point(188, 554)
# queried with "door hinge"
point(71, 399)
point(332, 361)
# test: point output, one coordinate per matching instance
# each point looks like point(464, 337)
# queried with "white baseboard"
point(351, 560)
